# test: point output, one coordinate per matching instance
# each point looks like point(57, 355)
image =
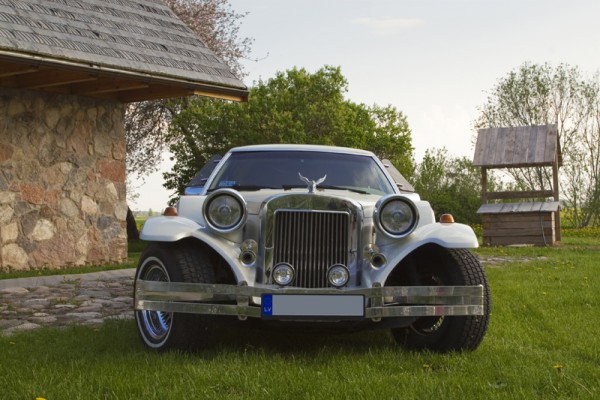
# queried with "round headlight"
point(396, 216)
point(338, 275)
point(225, 210)
point(283, 274)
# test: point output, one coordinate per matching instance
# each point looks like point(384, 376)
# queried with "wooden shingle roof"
point(523, 146)
point(123, 50)
point(527, 207)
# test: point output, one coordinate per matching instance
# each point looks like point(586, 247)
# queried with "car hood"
point(254, 200)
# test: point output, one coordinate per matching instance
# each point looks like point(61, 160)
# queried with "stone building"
point(67, 71)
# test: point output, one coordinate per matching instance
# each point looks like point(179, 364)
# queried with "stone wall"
point(62, 181)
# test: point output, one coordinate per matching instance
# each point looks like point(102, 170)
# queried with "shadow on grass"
point(119, 340)
point(243, 336)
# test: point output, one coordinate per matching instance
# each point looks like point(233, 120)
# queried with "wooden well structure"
point(519, 217)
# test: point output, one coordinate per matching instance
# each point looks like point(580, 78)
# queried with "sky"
point(434, 60)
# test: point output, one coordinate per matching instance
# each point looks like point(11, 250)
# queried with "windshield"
point(280, 170)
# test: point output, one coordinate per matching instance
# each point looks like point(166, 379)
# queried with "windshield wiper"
point(242, 188)
point(342, 188)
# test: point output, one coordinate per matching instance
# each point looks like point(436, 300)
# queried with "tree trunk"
point(132, 229)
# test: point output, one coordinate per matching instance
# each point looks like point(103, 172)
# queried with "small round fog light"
point(283, 274)
point(338, 275)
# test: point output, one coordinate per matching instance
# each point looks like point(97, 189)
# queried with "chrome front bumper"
point(380, 302)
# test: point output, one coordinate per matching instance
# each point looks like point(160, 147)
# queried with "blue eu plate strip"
point(267, 304)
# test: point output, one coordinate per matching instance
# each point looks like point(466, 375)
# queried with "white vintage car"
point(308, 236)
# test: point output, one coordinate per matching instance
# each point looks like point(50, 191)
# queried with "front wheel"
point(446, 267)
point(174, 262)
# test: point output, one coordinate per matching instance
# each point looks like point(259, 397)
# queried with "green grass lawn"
point(542, 344)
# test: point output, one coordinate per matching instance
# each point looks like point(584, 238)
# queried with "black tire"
point(174, 262)
point(444, 334)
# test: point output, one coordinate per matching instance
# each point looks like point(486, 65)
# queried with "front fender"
point(172, 229)
point(452, 236)
point(168, 229)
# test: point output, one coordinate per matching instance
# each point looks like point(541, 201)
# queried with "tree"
point(582, 183)
point(451, 185)
point(218, 27)
point(147, 123)
point(542, 94)
point(293, 107)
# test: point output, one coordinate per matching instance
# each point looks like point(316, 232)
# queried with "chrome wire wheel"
point(428, 325)
point(174, 262)
point(155, 325)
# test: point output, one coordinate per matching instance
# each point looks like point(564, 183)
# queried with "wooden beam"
point(529, 194)
point(154, 92)
point(484, 185)
point(217, 95)
point(108, 87)
point(522, 165)
point(556, 193)
point(11, 69)
point(537, 240)
point(49, 78)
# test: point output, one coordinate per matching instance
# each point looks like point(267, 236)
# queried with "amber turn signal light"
point(170, 212)
point(446, 219)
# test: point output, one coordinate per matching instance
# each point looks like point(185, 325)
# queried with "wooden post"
point(556, 196)
point(484, 185)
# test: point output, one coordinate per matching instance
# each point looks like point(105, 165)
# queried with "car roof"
point(301, 147)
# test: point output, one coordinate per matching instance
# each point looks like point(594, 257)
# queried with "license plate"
point(304, 305)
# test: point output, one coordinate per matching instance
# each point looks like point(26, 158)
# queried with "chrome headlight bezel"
point(405, 226)
point(232, 201)
point(287, 277)
point(336, 272)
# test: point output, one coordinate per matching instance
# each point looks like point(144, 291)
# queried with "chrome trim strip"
point(407, 301)
point(199, 308)
point(423, 311)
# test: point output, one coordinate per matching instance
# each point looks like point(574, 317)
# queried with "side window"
point(199, 180)
point(400, 181)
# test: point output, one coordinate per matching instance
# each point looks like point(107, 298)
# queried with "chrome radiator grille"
point(311, 241)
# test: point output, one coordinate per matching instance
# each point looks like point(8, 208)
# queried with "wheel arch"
point(222, 262)
point(438, 237)
point(181, 230)
point(425, 254)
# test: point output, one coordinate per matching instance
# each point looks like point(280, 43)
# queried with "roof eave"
point(180, 86)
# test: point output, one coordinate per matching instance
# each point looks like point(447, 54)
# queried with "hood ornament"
point(312, 185)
